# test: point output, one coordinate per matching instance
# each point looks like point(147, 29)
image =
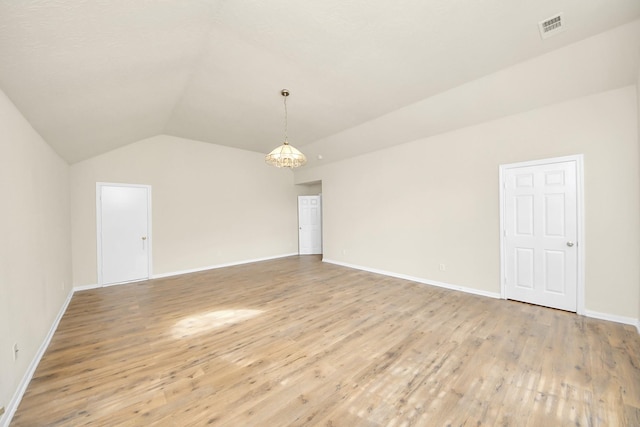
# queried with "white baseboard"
point(465, 289)
point(24, 383)
point(96, 286)
point(588, 313)
point(85, 287)
point(212, 267)
point(613, 318)
point(178, 273)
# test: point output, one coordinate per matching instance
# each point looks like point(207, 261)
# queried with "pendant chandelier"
point(285, 156)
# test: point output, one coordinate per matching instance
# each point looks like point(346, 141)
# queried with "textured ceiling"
point(92, 76)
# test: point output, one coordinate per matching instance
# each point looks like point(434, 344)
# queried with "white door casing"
point(541, 241)
point(309, 225)
point(124, 232)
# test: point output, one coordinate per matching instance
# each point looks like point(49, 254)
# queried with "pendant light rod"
point(285, 94)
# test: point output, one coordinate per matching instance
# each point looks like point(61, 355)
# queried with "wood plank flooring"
point(296, 342)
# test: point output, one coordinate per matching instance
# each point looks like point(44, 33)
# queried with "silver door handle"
point(144, 237)
point(569, 243)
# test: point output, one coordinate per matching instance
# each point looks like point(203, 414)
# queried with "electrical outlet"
point(443, 267)
point(15, 352)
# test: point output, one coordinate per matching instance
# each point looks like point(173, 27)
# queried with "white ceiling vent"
point(552, 26)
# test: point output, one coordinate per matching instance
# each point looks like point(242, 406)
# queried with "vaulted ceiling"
point(91, 75)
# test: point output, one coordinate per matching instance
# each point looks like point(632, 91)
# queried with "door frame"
point(99, 186)
point(579, 160)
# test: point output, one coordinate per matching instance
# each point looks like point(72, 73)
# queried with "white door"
point(540, 235)
point(310, 225)
point(124, 240)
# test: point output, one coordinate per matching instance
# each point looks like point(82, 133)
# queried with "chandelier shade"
point(286, 155)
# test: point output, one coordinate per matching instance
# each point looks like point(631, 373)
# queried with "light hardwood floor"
point(296, 342)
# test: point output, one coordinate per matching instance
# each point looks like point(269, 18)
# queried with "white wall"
point(638, 98)
point(311, 189)
point(211, 204)
point(35, 245)
point(410, 208)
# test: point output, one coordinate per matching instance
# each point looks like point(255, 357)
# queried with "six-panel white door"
point(310, 225)
point(540, 236)
point(123, 227)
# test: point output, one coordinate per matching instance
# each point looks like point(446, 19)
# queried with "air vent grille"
point(552, 26)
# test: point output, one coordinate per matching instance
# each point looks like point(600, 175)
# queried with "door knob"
point(569, 243)
point(144, 237)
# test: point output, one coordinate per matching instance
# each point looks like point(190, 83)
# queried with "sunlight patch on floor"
point(209, 320)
